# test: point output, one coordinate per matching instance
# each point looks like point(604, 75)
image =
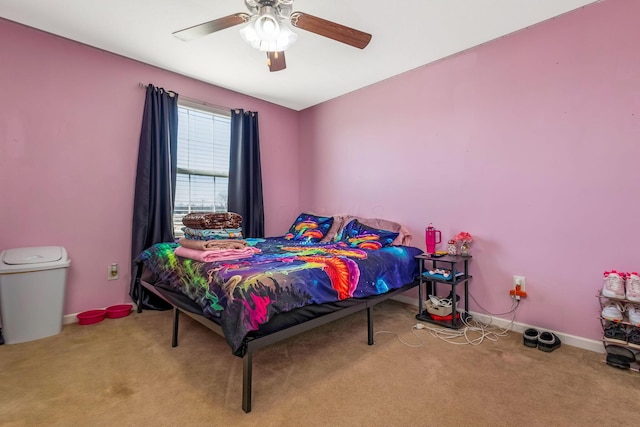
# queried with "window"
point(203, 161)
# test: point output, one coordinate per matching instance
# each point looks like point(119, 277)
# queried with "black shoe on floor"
point(530, 337)
point(548, 342)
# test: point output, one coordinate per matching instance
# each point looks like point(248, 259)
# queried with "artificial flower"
point(463, 236)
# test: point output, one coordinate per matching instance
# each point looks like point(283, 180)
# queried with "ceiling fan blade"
point(330, 29)
point(211, 27)
point(276, 61)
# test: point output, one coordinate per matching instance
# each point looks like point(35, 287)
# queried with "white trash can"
point(32, 288)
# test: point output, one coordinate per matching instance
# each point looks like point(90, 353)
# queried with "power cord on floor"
point(413, 331)
point(463, 336)
point(485, 331)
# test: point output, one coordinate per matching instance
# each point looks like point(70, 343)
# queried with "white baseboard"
point(572, 340)
point(518, 327)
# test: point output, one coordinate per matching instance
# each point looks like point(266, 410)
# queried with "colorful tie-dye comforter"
point(286, 275)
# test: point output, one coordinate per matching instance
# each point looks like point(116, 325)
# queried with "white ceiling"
point(406, 34)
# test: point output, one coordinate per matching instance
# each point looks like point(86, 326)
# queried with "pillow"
point(358, 235)
point(332, 234)
point(404, 236)
point(309, 228)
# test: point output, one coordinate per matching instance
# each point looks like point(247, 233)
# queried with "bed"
point(289, 286)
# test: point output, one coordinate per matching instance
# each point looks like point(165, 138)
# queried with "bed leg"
point(174, 337)
point(370, 325)
point(246, 382)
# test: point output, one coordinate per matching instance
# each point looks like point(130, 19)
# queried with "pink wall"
point(69, 128)
point(529, 142)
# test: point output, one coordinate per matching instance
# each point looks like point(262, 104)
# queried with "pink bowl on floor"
point(92, 316)
point(120, 310)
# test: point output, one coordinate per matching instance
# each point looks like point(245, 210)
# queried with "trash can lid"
point(23, 260)
point(32, 255)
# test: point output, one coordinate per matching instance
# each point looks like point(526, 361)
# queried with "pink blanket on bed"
point(216, 255)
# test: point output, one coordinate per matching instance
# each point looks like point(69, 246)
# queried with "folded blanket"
point(209, 245)
point(219, 255)
point(202, 220)
point(207, 234)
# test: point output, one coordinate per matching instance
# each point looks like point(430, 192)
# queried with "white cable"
point(471, 325)
point(413, 331)
point(514, 304)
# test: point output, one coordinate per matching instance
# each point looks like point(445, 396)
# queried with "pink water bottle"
point(433, 237)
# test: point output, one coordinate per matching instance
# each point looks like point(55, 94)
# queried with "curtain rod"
point(195, 101)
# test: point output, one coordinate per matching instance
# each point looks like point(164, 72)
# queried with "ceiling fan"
point(267, 29)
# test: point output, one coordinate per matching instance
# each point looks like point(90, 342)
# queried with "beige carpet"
point(125, 372)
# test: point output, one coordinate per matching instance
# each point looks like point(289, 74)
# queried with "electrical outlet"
point(113, 272)
point(518, 290)
point(519, 280)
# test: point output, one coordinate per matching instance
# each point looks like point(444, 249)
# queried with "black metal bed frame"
point(253, 344)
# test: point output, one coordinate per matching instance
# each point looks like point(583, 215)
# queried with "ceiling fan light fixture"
point(285, 39)
point(248, 33)
point(267, 33)
point(267, 27)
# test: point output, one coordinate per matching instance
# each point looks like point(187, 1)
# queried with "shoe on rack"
point(530, 337)
point(632, 286)
point(613, 285)
point(548, 342)
point(634, 338)
point(619, 357)
point(613, 311)
point(618, 361)
point(616, 333)
point(633, 312)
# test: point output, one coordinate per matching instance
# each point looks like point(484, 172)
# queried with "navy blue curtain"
point(155, 180)
point(245, 173)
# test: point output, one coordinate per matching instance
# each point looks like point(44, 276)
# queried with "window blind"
point(203, 163)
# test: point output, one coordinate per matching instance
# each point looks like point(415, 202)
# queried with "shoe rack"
point(621, 341)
